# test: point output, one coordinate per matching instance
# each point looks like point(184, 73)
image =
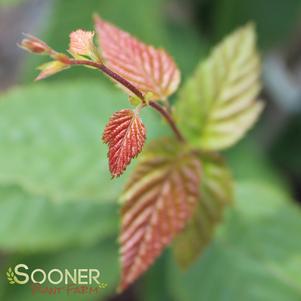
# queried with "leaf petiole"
point(116, 77)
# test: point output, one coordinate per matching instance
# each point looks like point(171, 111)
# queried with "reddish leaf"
point(125, 136)
point(81, 42)
point(148, 69)
point(51, 68)
point(157, 202)
point(34, 45)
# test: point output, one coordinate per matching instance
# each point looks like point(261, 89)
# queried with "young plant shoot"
point(181, 184)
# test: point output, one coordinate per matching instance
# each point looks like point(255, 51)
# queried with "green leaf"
point(103, 256)
point(255, 256)
point(39, 224)
point(220, 99)
point(216, 192)
point(50, 140)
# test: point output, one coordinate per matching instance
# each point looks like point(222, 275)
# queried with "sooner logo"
point(81, 281)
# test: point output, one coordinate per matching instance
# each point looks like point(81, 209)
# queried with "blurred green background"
point(58, 206)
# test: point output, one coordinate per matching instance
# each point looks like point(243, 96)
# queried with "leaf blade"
point(81, 42)
point(221, 99)
point(148, 69)
point(157, 202)
point(51, 68)
point(125, 135)
point(216, 193)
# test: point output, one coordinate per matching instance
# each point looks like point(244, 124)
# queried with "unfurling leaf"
point(125, 136)
point(157, 202)
point(221, 98)
point(148, 69)
point(35, 45)
point(216, 192)
point(81, 43)
point(51, 68)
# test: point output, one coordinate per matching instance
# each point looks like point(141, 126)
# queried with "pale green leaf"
point(50, 136)
point(256, 255)
point(216, 192)
point(219, 103)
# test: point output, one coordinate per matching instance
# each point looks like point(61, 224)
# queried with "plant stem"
point(116, 77)
point(168, 118)
point(112, 75)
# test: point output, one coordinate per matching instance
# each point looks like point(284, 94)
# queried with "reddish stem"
point(134, 90)
point(168, 118)
point(112, 75)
